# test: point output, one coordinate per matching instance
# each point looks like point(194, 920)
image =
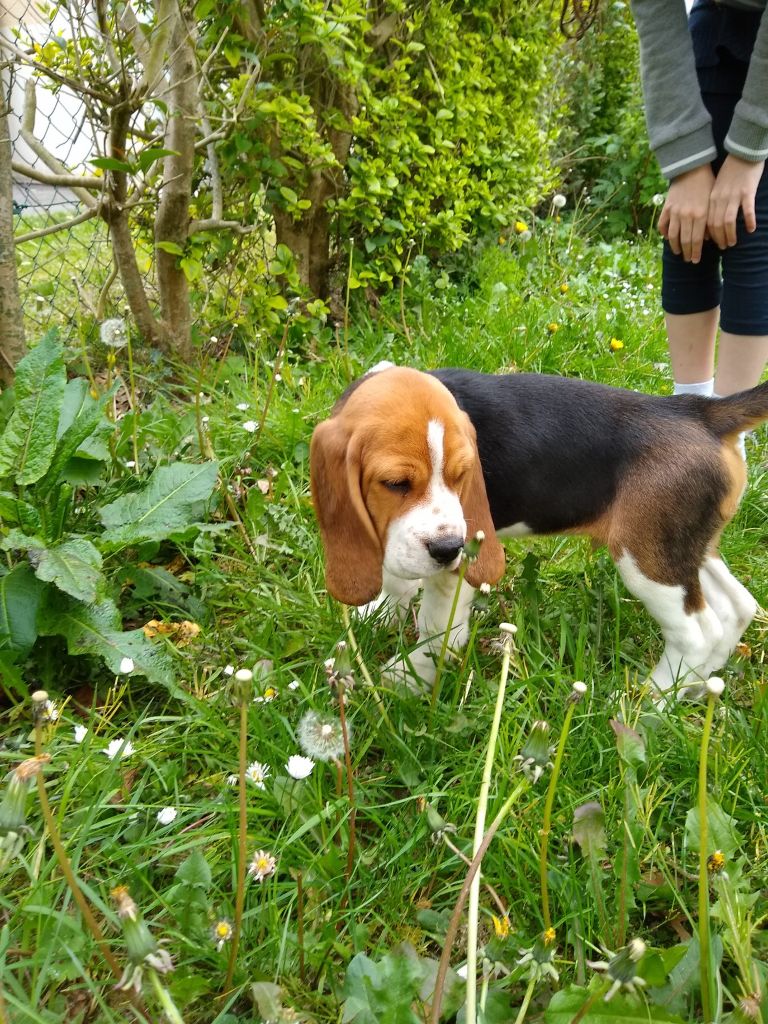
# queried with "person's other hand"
point(734, 189)
point(683, 220)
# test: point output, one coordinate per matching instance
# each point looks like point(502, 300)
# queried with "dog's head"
point(397, 483)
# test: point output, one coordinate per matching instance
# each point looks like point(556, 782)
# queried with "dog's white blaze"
point(438, 515)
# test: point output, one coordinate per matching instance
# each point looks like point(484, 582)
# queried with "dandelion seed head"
point(558, 201)
point(716, 686)
point(113, 333)
point(320, 736)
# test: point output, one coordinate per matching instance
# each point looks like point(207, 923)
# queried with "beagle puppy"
point(410, 464)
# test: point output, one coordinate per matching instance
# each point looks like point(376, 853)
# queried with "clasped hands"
point(700, 205)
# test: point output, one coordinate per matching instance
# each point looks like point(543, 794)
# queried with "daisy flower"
point(262, 865)
point(257, 773)
point(80, 733)
point(299, 767)
point(119, 746)
point(166, 815)
point(221, 933)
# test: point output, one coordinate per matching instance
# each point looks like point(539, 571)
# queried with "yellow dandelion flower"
point(502, 240)
point(564, 287)
point(520, 226)
point(716, 862)
point(500, 926)
point(616, 345)
point(549, 936)
point(553, 327)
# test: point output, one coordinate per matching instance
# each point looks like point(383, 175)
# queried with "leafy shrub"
point(67, 543)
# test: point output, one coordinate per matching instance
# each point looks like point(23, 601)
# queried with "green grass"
point(267, 610)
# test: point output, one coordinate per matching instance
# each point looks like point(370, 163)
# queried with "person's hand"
point(734, 189)
point(683, 221)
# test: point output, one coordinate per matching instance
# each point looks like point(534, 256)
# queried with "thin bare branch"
point(196, 226)
point(73, 181)
point(63, 225)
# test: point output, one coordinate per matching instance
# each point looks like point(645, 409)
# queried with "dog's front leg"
point(433, 618)
point(434, 613)
point(392, 603)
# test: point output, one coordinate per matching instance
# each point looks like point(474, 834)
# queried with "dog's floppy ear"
point(353, 554)
point(488, 567)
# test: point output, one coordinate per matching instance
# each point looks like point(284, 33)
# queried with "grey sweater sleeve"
point(679, 126)
point(748, 134)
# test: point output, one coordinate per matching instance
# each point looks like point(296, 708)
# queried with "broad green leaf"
point(29, 440)
point(109, 163)
point(589, 828)
point(619, 1010)
point(195, 870)
point(629, 743)
point(74, 567)
point(15, 512)
point(722, 834)
point(81, 416)
point(97, 629)
point(150, 156)
point(383, 992)
point(173, 499)
point(173, 248)
point(21, 594)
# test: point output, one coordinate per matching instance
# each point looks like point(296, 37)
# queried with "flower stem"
point(134, 408)
point(546, 827)
point(350, 786)
point(242, 839)
point(526, 1001)
point(453, 924)
point(69, 876)
point(704, 948)
point(446, 637)
point(473, 911)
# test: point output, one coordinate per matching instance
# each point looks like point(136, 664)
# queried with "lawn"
point(355, 870)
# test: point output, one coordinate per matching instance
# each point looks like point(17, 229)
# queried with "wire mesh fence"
point(63, 260)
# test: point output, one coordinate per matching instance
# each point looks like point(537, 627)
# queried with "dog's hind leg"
point(690, 626)
point(733, 604)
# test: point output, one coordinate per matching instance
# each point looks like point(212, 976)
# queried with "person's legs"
point(741, 360)
point(691, 340)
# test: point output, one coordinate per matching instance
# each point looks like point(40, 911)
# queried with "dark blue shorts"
point(735, 279)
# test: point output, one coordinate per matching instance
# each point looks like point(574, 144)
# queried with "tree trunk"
point(114, 213)
point(172, 219)
point(12, 342)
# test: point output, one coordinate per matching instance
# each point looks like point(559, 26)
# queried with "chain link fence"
point(63, 260)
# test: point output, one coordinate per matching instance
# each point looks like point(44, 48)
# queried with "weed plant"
point(282, 837)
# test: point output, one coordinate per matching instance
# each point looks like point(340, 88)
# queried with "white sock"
point(703, 387)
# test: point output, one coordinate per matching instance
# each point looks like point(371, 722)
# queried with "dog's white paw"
point(416, 673)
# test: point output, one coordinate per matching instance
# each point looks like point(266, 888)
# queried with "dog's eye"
point(397, 486)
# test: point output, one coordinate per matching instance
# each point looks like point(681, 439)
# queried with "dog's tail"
point(742, 411)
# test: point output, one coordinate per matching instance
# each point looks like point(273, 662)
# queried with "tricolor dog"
point(411, 464)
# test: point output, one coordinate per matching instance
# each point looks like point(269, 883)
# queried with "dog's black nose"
point(445, 550)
